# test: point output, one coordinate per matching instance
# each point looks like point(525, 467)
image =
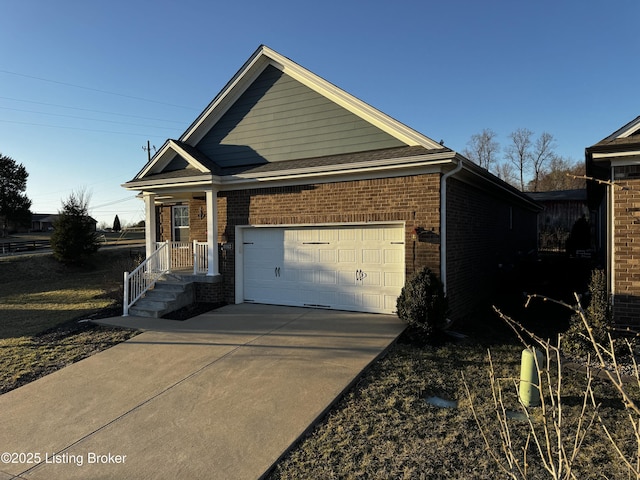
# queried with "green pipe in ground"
point(530, 378)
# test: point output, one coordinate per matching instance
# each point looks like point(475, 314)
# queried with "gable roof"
point(620, 148)
point(264, 57)
point(619, 140)
point(223, 139)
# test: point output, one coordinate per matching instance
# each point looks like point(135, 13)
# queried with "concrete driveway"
point(222, 395)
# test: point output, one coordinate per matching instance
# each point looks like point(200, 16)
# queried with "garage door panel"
point(394, 279)
point(327, 257)
point(372, 279)
point(350, 268)
point(390, 302)
point(371, 301)
point(346, 277)
point(347, 255)
point(261, 274)
point(395, 256)
point(370, 256)
point(306, 275)
point(326, 277)
point(328, 235)
point(371, 233)
point(306, 255)
point(346, 235)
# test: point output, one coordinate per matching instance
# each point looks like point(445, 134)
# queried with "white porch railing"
point(187, 255)
point(200, 258)
point(167, 257)
point(145, 276)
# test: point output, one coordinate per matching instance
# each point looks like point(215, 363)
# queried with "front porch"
point(181, 244)
point(175, 275)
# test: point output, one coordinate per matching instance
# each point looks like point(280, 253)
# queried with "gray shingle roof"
point(350, 158)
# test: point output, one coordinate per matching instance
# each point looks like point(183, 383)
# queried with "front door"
point(180, 221)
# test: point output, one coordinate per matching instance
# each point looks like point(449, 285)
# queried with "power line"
point(106, 92)
point(125, 199)
point(83, 118)
point(15, 122)
point(90, 110)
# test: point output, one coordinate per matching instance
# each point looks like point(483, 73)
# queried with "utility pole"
point(148, 150)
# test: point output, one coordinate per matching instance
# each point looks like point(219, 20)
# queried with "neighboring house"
point(318, 199)
point(44, 222)
point(561, 210)
point(615, 160)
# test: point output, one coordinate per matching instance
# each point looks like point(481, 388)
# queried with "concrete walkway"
point(219, 396)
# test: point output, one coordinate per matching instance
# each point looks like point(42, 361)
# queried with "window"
point(181, 223)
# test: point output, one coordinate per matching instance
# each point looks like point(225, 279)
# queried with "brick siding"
point(626, 248)
point(412, 199)
point(483, 232)
point(480, 228)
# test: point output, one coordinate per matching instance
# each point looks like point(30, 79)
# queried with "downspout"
point(611, 264)
point(443, 223)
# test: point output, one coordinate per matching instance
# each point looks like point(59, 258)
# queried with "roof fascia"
point(265, 56)
point(235, 182)
point(629, 129)
point(164, 156)
point(152, 184)
point(612, 156)
point(485, 180)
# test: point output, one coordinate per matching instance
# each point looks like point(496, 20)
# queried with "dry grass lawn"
point(383, 428)
point(41, 302)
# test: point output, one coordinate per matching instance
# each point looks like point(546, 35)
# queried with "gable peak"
point(265, 56)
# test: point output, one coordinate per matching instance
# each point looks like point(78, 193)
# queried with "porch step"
point(168, 295)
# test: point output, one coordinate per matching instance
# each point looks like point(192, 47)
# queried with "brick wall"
point(209, 292)
point(483, 232)
point(480, 228)
point(197, 221)
point(626, 248)
point(412, 199)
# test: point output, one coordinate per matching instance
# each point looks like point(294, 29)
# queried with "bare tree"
point(505, 171)
point(560, 174)
point(519, 152)
point(483, 149)
point(543, 152)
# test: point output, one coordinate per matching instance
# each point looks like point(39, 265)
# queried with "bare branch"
point(597, 180)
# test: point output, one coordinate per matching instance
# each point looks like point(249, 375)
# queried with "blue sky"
point(85, 84)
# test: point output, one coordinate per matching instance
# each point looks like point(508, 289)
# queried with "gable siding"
point(178, 163)
point(277, 119)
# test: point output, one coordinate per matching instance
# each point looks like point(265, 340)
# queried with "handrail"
point(145, 276)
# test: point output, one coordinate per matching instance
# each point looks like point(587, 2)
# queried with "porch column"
point(212, 233)
point(149, 222)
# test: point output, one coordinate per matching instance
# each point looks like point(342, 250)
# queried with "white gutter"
point(443, 224)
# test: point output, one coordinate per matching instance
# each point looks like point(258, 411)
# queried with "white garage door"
point(344, 268)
